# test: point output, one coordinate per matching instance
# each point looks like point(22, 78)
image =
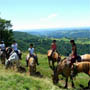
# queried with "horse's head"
point(58, 70)
point(32, 62)
point(55, 76)
point(8, 51)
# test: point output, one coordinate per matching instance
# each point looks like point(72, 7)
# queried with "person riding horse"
point(73, 55)
point(53, 47)
point(12, 58)
point(15, 48)
point(31, 54)
point(53, 55)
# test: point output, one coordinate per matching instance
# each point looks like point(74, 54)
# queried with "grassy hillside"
point(11, 80)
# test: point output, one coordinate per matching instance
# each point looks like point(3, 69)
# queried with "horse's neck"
point(12, 52)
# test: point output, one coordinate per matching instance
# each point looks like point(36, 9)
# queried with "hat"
point(72, 41)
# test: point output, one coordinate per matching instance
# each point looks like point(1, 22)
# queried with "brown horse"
point(81, 67)
point(63, 69)
point(32, 66)
point(54, 58)
point(85, 57)
point(3, 56)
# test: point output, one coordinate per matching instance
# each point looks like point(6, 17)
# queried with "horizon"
point(53, 29)
point(28, 14)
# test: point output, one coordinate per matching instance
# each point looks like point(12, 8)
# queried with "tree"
point(6, 33)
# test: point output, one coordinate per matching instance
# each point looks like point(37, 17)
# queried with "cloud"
point(49, 17)
point(52, 15)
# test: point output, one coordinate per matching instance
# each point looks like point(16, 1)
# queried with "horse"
point(67, 71)
point(81, 67)
point(2, 56)
point(28, 57)
point(12, 58)
point(63, 69)
point(32, 66)
point(85, 57)
point(9, 51)
point(54, 58)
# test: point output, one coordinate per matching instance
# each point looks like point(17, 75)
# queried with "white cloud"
point(52, 15)
point(49, 17)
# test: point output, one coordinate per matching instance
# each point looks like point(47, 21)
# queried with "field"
point(12, 80)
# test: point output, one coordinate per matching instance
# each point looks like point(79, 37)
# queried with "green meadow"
point(13, 80)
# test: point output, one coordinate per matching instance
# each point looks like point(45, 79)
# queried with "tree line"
point(6, 33)
point(42, 44)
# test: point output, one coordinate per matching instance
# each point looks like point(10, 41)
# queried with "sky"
point(38, 14)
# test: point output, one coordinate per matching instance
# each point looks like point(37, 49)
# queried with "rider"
point(53, 47)
point(15, 48)
point(73, 55)
point(2, 46)
point(31, 53)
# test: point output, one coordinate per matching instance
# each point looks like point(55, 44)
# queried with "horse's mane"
point(63, 60)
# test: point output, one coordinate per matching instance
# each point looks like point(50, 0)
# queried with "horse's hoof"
point(73, 86)
point(65, 86)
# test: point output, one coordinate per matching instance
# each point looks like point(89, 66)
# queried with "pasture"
point(12, 80)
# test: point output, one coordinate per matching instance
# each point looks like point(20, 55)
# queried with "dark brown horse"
point(55, 57)
point(67, 72)
point(63, 69)
point(2, 56)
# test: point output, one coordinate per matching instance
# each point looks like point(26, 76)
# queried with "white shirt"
point(31, 51)
point(2, 46)
point(15, 46)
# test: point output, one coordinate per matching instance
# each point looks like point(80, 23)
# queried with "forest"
point(43, 44)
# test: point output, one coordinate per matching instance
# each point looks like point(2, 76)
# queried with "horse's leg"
point(89, 84)
point(53, 64)
point(35, 69)
point(66, 85)
point(72, 81)
point(13, 65)
point(29, 69)
point(49, 62)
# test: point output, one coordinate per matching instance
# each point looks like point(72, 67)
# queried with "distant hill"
point(43, 44)
point(59, 33)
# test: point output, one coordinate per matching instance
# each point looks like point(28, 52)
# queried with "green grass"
point(11, 80)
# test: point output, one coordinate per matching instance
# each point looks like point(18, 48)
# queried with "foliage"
point(6, 33)
point(42, 44)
